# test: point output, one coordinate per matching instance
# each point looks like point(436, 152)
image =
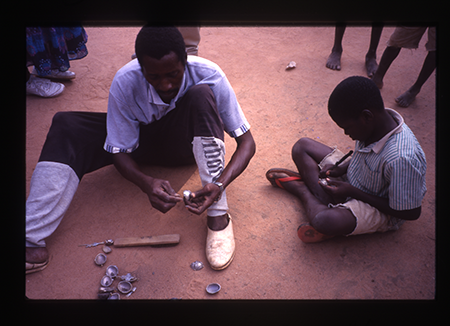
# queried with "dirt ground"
point(281, 106)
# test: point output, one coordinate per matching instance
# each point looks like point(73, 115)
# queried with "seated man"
point(377, 189)
point(164, 108)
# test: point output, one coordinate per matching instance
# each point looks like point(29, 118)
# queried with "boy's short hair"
point(353, 95)
point(158, 41)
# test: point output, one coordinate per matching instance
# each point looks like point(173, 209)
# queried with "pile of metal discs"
point(108, 292)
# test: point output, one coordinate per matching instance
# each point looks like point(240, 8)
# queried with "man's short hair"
point(158, 41)
point(353, 95)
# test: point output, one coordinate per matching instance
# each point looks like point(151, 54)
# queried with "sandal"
point(277, 182)
point(35, 267)
point(308, 234)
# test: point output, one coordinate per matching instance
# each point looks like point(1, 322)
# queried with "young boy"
point(376, 189)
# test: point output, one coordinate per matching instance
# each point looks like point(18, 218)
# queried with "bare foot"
point(377, 80)
point(36, 255)
point(406, 98)
point(334, 60)
point(218, 223)
point(287, 185)
point(371, 65)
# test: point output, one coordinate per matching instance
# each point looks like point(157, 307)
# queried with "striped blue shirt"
point(133, 101)
point(394, 167)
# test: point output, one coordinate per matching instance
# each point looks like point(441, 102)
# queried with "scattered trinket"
point(213, 288)
point(114, 296)
point(112, 271)
point(197, 265)
point(132, 291)
point(128, 278)
point(105, 289)
point(100, 259)
point(106, 281)
point(291, 65)
point(106, 249)
point(124, 287)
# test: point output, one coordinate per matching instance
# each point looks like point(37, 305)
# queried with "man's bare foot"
point(407, 98)
point(217, 223)
point(334, 60)
point(36, 254)
point(371, 65)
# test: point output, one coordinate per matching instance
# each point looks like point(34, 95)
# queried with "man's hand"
point(202, 199)
point(161, 194)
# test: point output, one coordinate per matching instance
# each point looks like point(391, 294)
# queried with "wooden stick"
point(155, 240)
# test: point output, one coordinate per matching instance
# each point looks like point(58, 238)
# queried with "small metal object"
point(100, 259)
point(106, 281)
point(106, 249)
point(112, 271)
point(128, 278)
point(114, 296)
point(187, 195)
point(323, 181)
point(291, 65)
point(124, 287)
point(95, 244)
point(109, 242)
point(105, 289)
point(103, 295)
point(197, 265)
point(131, 292)
point(213, 288)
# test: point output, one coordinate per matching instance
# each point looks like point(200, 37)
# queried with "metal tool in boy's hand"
point(95, 244)
point(342, 159)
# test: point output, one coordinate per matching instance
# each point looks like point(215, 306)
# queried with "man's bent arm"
point(160, 193)
point(244, 152)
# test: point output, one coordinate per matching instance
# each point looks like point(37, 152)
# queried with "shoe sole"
point(226, 265)
point(36, 269)
point(308, 234)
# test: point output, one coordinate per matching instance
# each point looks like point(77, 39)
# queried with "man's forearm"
point(130, 170)
point(239, 161)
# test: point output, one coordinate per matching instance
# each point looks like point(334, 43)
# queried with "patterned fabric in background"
point(51, 48)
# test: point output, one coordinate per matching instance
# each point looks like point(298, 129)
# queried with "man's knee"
point(199, 92)
point(61, 119)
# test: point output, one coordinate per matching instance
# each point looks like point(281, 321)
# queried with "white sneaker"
point(56, 74)
point(43, 87)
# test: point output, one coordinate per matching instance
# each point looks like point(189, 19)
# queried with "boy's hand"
point(329, 170)
point(339, 190)
point(202, 199)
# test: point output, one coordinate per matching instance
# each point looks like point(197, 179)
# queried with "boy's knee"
point(300, 146)
point(334, 221)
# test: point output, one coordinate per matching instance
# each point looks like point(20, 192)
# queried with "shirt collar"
point(153, 96)
point(378, 146)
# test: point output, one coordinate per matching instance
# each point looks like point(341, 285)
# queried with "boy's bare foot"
point(407, 98)
point(377, 80)
point(334, 60)
point(371, 65)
